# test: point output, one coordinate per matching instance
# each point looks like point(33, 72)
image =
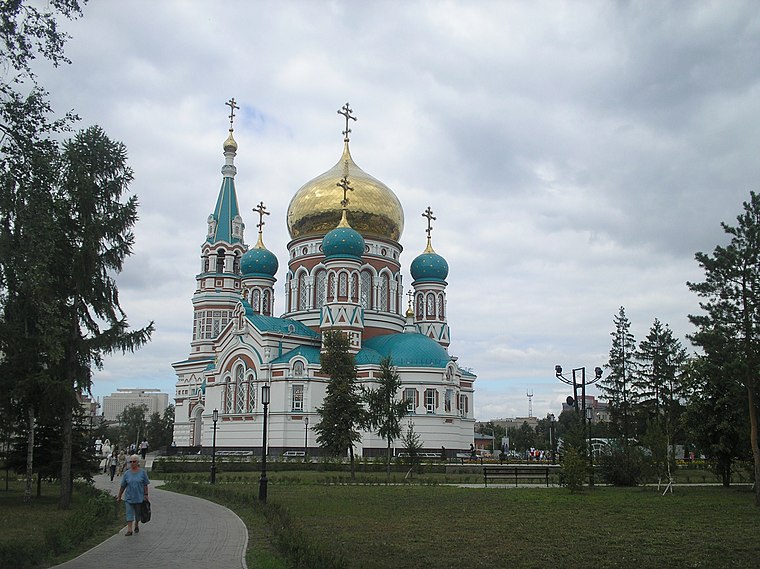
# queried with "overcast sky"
point(576, 155)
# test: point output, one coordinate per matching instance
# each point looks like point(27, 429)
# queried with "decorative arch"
point(365, 289)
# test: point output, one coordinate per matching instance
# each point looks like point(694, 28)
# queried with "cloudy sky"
point(576, 155)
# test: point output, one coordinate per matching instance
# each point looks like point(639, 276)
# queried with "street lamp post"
point(306, 438)
point(263, 480)
point(551, 418)
point(581, 413)
point(589, 416)
point(215, 418)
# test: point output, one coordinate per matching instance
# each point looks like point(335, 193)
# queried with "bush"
point(621, 468)
point(573, 469)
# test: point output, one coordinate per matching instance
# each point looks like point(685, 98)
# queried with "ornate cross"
point(344, 184)
point(262, 211)
point(346, 111)
point(429, 214)
point(232, 105)
point(410, 294)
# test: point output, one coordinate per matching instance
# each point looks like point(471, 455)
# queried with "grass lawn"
point(29, 523)
point(375, 526)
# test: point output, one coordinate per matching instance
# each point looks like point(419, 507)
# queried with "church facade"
point(343, 273)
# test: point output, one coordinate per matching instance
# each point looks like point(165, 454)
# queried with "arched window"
point(256, 300)
point(321, 286)
point(354, 287)
point(220, 261)
point(331, 287)
point(236, 264)
point(251, 393)
point(205, 264)
point(298, 369)
point(342, 286)
point(420, 307)
point(441, 315)
point(266, 303)
point(430, 305)
point(365, 294)
point(240, 398)
point(303, 293)
point(229, 396)
point(382, 293)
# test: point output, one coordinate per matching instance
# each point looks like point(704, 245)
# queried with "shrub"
point(573, 469)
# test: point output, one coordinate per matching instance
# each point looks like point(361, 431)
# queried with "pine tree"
point(731, 305)
point(617, 384)
point(384, 409)
point(341, 412)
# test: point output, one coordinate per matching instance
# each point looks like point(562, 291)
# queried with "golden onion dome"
point(373, 208)
point(230, 145)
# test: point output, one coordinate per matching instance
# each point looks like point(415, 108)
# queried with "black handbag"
point(145, 512)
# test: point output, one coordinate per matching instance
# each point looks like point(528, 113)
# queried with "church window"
point(229, 396)
point(384, 252)
point(298, 369)
point(430, 305)
point(354, 287)
point(240, 399)
point(420, 307)
point(365, 295)
point(216, 322)
point(343, 286)
point(440, 307)
point(447, 400)
point(220, 261)
point(297, 398)
point(205, 265)
point(304, 251)
point(410, 396)
point(251, 393)
point(331, 287)
point(463, 405)
point(265, 303)
point(449, 374)
point(321, 285)
point(256, 300)
point(236, 265)
point(383, 293)
point(303, 293)
point(430, 397)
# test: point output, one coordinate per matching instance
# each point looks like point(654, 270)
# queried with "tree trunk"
point(351, 455)
point(753, 437)
point(388, 460)
point(64, 502)
point(29, 457)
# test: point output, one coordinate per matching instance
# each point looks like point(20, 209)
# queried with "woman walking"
point(134, 486)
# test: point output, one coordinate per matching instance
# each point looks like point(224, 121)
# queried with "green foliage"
point(622, 368)
point(341, 412)
point(522, 438)
point(573, 469)
point(132, 421)
point(160, 429)
point(623, 465)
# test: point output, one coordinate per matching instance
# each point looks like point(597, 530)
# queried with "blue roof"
point(278, 325)
point(409, 350)
point(225, 211)
point(429, 266)
point(309, 353)
point(343, 242)
point(259, 261)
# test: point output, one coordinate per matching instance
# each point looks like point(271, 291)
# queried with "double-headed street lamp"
point(306, 438)
point(215, 418)
point(581, 382)
point(263, 479)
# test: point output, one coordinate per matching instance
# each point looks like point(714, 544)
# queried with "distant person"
point(144, 448)
point(134, 486)
point(472, 450)
point(113, 462)
point(122, 462)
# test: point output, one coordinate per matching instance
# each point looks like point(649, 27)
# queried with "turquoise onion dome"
point(343, 242)
point(429, 266)
point(259, 262)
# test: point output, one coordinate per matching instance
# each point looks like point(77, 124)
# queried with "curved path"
point(184, 532)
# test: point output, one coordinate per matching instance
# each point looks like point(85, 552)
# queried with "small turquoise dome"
point(429, 266)
point(409, 350)
point(343, 242)
point(259, 261)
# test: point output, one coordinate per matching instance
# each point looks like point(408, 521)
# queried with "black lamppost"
point(306, 438)
point(215, 418)
point(581, 413)
point(589, 416)
point(552, 419)
point(263, 479)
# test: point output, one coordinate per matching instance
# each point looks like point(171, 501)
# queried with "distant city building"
point(601, 408)
point(516, 423)
point(153, 399)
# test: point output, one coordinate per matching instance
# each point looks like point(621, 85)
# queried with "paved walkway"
point(183, 532)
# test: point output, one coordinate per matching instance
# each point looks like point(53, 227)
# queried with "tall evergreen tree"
point(341, 412)
point(98, 228)
point(731, 305)
point(617, 385)
point(384, 409)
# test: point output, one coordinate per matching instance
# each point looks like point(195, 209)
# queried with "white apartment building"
point(153, 399)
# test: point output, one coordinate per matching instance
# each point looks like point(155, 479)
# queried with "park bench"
point(517, 472)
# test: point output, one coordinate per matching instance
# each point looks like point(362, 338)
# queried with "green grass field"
point(400, 527)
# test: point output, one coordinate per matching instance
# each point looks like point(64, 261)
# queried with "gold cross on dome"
point(344, 184)
point(262, 211)
point(429, 214)
point(232, 105)
point(346, 111)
